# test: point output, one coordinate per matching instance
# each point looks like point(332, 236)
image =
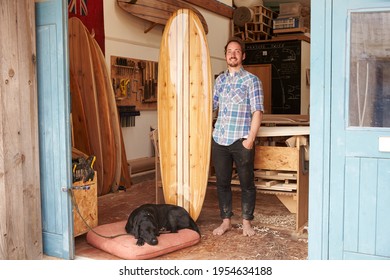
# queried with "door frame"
point(323, 216)
point(320, 100)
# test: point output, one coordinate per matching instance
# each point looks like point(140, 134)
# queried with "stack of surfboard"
point(95, 123)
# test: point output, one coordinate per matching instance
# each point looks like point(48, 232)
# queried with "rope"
point(76, 207)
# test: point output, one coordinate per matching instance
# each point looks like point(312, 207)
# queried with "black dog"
point(149, 220)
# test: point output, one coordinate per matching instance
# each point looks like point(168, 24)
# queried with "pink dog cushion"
point(125, 246)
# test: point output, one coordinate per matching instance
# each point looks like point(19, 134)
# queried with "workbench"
point(283, 171)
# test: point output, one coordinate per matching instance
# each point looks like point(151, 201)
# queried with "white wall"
point(124, 36)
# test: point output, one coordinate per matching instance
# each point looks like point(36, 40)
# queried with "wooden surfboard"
point(80, 139)
point(114, 119)
point(106, 129)
point(184, 111)
point(81, 67)
point(158, 11)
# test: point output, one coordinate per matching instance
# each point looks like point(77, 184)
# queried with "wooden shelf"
point(291, 30)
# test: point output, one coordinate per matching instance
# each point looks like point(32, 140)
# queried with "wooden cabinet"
point(263, 71)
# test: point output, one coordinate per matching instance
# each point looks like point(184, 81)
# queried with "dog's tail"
point(194, 226)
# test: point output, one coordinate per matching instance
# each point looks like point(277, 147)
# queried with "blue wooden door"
point(54, 128)
point(359, 206)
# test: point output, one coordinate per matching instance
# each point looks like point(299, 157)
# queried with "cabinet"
point(290, 72)
point(263, 71)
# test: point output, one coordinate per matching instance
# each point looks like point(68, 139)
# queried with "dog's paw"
point(140, 242)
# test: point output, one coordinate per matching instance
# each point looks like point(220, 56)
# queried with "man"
point(238, 96)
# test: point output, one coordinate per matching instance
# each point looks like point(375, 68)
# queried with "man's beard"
point(233, 63)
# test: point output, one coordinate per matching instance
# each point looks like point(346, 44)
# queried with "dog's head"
point(145, 227)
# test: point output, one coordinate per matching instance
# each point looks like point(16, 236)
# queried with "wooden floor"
point(275, 237)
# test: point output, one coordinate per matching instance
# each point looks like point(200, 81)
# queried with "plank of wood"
point(214, 6)
point(158, 11)
point(290, 186)
point(288, 201)
point(276, 187)
point(276, 176)
point(270, 131)
point(276, 158)
point(291, 30)
point(20, 185)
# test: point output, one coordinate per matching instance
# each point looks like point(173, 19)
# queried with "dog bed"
point(125, 246)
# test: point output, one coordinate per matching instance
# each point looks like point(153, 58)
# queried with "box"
point(85, 199)
point(290, 9)
point(290, 22)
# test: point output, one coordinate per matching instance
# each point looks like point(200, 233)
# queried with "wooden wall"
point(20, 205)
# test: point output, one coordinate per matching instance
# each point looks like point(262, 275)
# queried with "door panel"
point(54, 128)
point(358, 226)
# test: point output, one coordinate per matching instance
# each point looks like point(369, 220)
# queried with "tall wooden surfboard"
point(107, 137)
point(114, 118)
point(184, 111)
point(81, 66)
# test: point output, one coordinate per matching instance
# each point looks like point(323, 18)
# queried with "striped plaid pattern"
point(236, 97)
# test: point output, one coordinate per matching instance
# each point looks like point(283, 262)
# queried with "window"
point(369, 88)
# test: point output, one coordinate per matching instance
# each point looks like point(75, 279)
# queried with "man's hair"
point(237, 40)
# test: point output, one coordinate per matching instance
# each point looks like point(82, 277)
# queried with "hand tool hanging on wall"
point(127, 115)
point(154, 83)
point(124, 86)
point(146, 80)
point(135, 82)
point(150, 65)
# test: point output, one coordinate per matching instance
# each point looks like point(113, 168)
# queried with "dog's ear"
point(136, 231)
point(129, 225)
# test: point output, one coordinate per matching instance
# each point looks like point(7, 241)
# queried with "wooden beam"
point(213, 6)
point(20, 193)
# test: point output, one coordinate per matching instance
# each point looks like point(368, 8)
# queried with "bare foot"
point(224, 227)
point(247, 228)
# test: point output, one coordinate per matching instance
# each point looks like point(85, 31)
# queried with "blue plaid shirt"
point(237, 97)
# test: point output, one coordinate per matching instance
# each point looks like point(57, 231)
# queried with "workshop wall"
point(125, 37)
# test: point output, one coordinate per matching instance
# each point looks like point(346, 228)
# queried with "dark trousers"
point(223, 158)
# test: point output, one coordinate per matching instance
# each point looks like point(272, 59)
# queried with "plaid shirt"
point(237, 97)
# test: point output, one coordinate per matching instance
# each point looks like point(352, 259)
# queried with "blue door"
point(359, 205)
point(54, 128)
